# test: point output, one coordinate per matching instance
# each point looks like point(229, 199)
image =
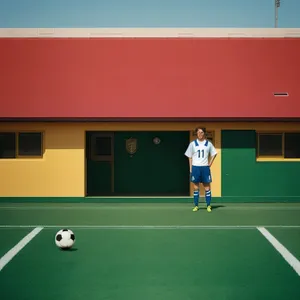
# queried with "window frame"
point(15, 150)
point(258, 144)
point(18, 156)
point(297, 132)
point(96, 157)
point(274, 157)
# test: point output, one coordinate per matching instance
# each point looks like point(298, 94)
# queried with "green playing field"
point(151, 251)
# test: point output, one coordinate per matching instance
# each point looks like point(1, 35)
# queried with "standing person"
point(201, 153)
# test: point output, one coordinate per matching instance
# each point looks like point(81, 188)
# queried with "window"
point(292, 145)
point(7, 145)
point(285, 145)
point(21, 144)
point(210, 136)
point(270, 145)
point(101, 146)
point(30, 144)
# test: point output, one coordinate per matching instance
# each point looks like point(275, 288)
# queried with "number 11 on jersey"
point(201, 152)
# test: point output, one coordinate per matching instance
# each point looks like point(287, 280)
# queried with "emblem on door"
point(131, 145)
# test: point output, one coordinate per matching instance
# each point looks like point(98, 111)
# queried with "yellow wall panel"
point(59, 173)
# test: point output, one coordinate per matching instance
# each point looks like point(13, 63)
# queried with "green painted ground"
point(159, 200)
point(9, 238)
point(151, 264)
point(148, 214)
point(181, 264)
point(290, 238)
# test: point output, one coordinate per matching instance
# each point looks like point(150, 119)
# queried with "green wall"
point(154, 169)
point(244, 178)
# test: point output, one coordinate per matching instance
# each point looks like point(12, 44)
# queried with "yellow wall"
point(61, 171)
point(58, 173)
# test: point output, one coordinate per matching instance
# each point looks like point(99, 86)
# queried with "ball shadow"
point(69, 250)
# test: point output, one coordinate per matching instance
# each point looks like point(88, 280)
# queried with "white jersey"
point(200, 152)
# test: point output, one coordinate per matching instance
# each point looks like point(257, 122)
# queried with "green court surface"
point(9, 238)
point(152, 251)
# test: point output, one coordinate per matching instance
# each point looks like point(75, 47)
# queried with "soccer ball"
point(65, 239)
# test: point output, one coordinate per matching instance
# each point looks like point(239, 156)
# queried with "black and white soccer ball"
point(65, 239)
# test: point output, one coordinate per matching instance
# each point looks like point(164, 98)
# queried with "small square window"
point(103, 145)
point(30, 144)
point(292, 145)
point(210, 136)
point(270, 144)
point(7, 145)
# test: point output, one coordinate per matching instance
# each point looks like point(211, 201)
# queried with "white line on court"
point(136, 207)
point(289, 257)
point(18, 247)
point(150, 226)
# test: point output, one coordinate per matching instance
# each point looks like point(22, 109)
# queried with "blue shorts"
point(201, 174)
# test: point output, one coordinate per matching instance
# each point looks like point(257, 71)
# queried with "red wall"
point(139, 77)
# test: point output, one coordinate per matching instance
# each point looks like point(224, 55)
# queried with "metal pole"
point(277, 5)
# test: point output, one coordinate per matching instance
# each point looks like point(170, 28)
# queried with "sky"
point(148, 13)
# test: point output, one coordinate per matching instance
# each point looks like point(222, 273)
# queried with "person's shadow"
point(213, 206)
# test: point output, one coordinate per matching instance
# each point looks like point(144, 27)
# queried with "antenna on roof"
point(277, 5)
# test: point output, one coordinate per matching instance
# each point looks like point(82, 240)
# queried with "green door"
point(157, 167)
point(99, 163)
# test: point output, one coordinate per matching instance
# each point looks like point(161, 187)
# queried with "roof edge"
point(154, 119)
point(149, 32)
